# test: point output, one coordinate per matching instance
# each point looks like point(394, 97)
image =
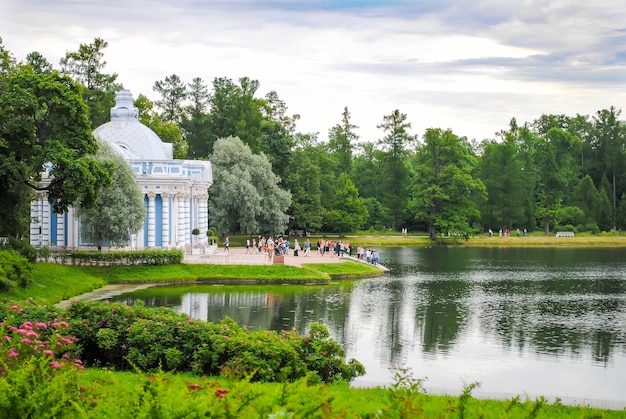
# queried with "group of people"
point(507, 233)
point(281, 246)
point(278, 246)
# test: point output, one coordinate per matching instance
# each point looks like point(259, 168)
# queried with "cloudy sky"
point(467, 65)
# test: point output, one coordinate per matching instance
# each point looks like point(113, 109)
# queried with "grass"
point(179, 393)
point(53, 283)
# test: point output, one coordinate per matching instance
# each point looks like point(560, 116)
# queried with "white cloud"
point(466, 65)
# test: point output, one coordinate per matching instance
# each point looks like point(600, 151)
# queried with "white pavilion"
point(175, 192)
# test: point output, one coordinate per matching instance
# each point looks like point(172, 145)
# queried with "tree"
point(173, 93)
point(609, 142)
point(38, 63)
point(394, 170)
point(45, 128)
point(445, 192)
point(169, 132)
point(341, 140)
point(120, 210)
point(85, 66)
point(245, 196)
point(502, 172)
point(303, 181)
point(346, 212)
point(556, 160)
point(195, 121)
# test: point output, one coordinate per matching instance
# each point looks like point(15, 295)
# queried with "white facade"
point(175, 191)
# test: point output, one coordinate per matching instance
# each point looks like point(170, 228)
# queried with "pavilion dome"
point(129, 137)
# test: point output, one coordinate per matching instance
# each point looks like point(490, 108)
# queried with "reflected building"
point(175, 192)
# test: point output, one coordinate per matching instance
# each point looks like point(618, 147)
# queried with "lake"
point(520, 321)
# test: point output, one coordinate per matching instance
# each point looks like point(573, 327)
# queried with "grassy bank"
point(373, 239)
point(53, 283)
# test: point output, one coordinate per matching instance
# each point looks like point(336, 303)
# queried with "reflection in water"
point(546, 322)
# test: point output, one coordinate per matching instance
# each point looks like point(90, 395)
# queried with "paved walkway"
point(238, 256)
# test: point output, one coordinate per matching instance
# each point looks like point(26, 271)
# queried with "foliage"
point(85, 66)
point(303, 180)
point(346, 212)
point(445, 192)
point(119, 258)
point(395, 172)
point(167, 131)
point(15, 270)
point(37, 370)
point(114, 334)
point(120, 210)
point(246, 196)
point(45, 129)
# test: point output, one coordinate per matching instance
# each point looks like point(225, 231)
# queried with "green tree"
point(169, 132)
point(86, 67)
point(394, 170)
point(346, 212)
point(45, 129)
point(245, 196)
point(303, 181)
point(445, 192)
point(341, 142)
point(195, 121)
point(502, 171)
point(277, 133)
point(172, 92)
point(120, 210)
point(609, 143)
point(38, 63)
point(236, 112)
point(556, 159)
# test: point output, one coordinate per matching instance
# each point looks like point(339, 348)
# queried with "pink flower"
point(27, 341)
point(13, 354)
point(22, 331)
point(64, 324)
point(55, 364)
point(40, 325)
point(27, 325)
point(7, 338)
point(66, 340)
point(194, 386)
point(48, 352)
point(221, 393)
point(78, 362)
point(15, 307)
point(32, 334)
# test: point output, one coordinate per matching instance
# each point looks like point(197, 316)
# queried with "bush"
point(15, 270)
point(118, 336)
point(22, 247)
point(592, 228)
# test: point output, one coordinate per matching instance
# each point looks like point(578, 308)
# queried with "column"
point(203, 218)
point(165, 198)
point(181, 218)
point(187, 219)
point(151, 220)
point(45, 220)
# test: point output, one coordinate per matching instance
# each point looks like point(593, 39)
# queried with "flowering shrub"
point(37, 367)
point(118, 336)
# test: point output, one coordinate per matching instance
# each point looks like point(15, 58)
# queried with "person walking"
point(226, 245)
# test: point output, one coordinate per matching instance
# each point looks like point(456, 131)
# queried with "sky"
point(465, 65)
